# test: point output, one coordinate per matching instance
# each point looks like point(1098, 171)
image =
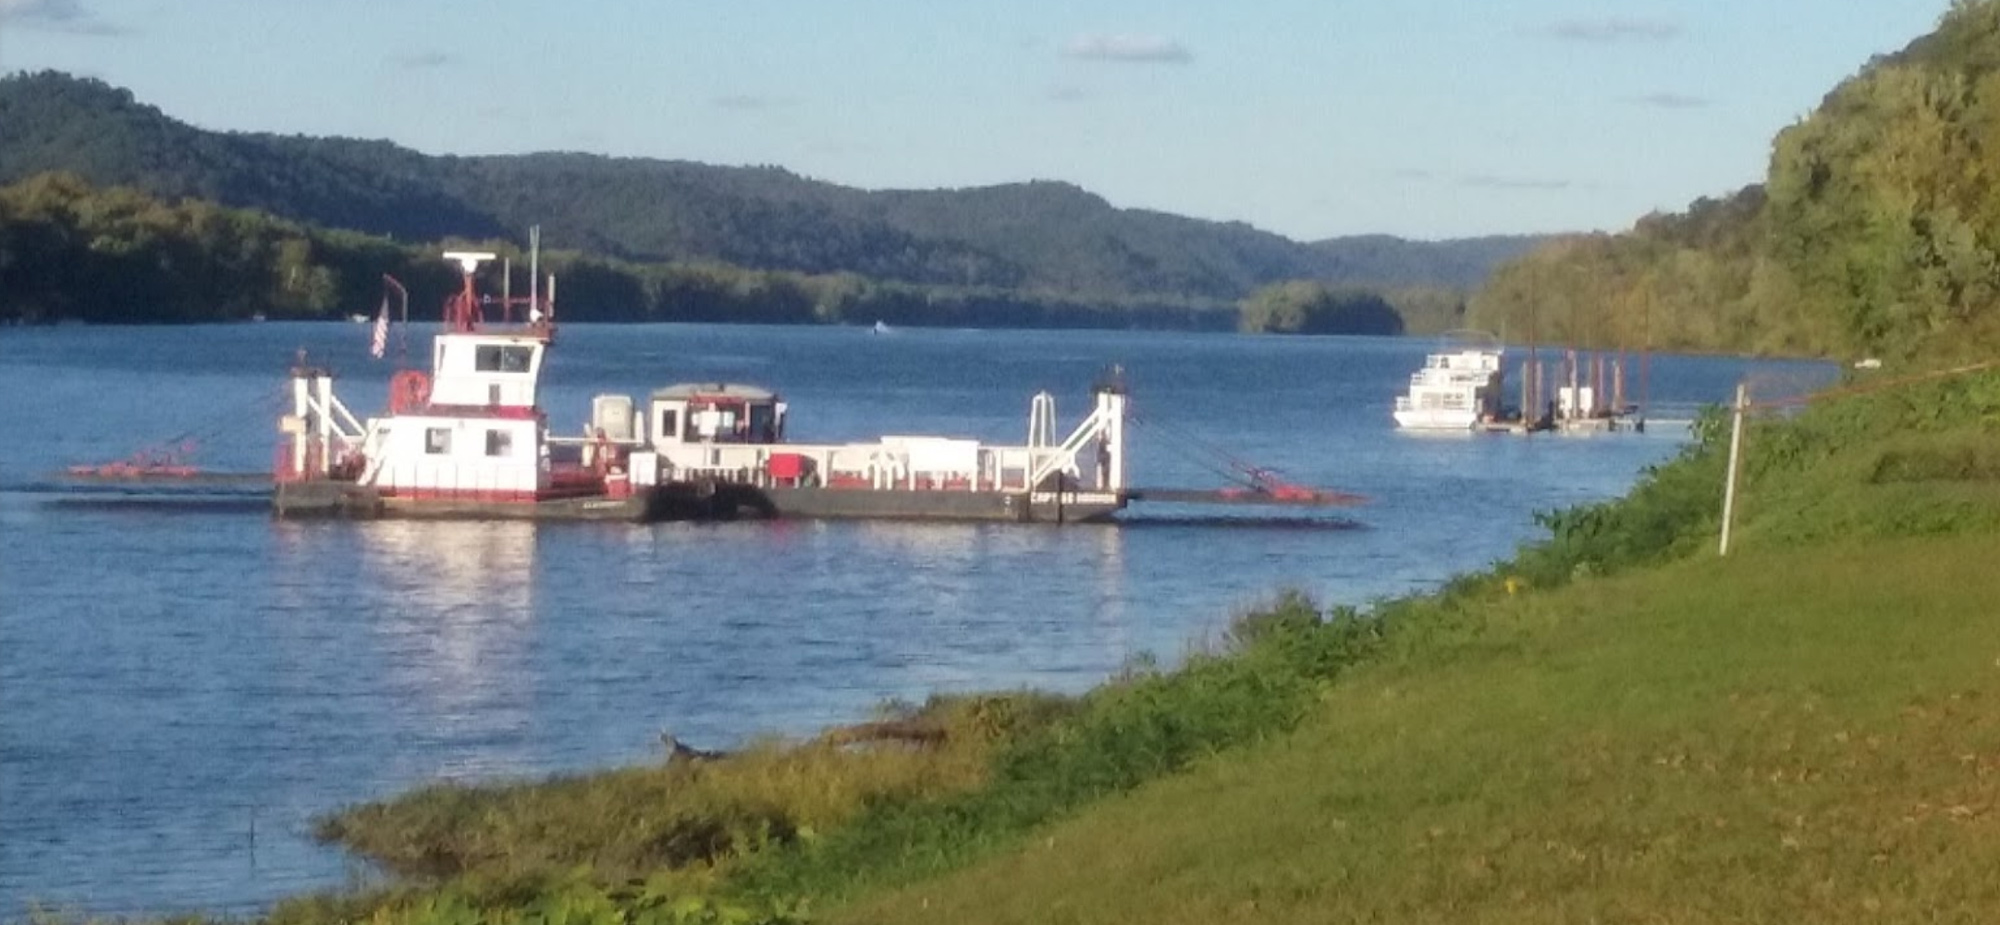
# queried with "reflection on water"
point(1111, 590)
point(452, 607)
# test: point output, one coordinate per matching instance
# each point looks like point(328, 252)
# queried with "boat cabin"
point(490, 456)
point(714, 413)
point(487, 370)
point(1457, 388)
point(1463, 366)
point(479, 432)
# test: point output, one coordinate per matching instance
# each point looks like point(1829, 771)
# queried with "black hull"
point(735, 501)
point(328, 499)
point(706, 501)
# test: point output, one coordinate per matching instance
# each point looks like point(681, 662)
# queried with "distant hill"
point(1385, 261)
point(1035, 236)
point(1875, 233)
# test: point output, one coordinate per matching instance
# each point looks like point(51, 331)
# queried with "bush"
point(1276, 663)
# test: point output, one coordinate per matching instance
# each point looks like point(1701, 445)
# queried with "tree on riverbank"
point(1876, 231)
point(1307, 307)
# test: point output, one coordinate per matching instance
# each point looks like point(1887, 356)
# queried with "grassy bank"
point(1783, 736)
point(1616, 725)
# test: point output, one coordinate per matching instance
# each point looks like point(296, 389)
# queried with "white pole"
point(534, 268)
point(1735, 456)
point(1041, 420)
point(1113, 404)
point(302, 410)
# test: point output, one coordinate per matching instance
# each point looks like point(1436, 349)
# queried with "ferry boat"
point(470, 439)
point(1459, 386)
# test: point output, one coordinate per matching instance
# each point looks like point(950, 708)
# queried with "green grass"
point(1783, 736)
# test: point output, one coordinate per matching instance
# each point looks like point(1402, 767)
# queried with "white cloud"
point(748, 102)
point(1615, 29)
point(1672, 101)
point(1135, 49)
point(423, 60)
point(56, 16)
point(1494, 182)
point(1481, 181)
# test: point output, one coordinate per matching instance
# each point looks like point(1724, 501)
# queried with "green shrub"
point(1275, 664)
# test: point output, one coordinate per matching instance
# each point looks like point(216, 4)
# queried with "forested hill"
point(1037, 236)
point(1876, 232)
point(1385, 260)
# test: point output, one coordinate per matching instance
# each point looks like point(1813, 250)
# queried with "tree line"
point(1876, 231)
point(72, 251)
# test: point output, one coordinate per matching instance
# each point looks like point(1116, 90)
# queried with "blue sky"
point(1310, 118)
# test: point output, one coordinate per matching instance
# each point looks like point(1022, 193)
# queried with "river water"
point(184, 686)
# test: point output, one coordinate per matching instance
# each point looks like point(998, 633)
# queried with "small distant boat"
point(358, 319)
point(881, 328)
point(1459, 386)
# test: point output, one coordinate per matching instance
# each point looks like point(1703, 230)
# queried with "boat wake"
point(1238, 522)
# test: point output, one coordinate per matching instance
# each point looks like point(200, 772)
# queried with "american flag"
point(380, 344)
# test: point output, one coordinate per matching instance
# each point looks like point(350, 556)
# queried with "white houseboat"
point(1458, 388)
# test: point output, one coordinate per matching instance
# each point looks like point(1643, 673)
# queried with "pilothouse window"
point(503, 358)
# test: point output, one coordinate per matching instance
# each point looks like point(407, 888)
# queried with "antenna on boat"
point(461, 313)
point(469, 261)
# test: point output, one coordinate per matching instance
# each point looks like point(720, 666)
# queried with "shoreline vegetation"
point(71, 252)
point(1614, 724)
